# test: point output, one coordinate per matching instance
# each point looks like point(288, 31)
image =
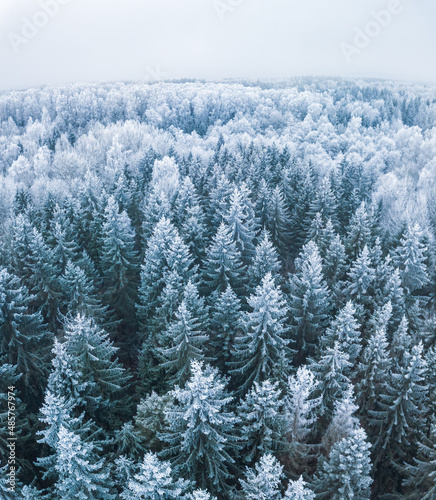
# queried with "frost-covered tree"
point(420, 482)
point(264, 481)
point(401, 406)
point(359, 232)
point(309, 300)
point(201, 429)
point(80, 475)
point(261, 420)
point(345, 474)
point(346, 330)
point(265, 261)
point(297, 490)
point(155, 481)
point(331, 372)
point(240, 220)
point(225, 326)
point(24, 339)
point(261, 352)
point(223, 266)
point(186, 343)
point(411, 257)
point(300, 407)
point(120, 265)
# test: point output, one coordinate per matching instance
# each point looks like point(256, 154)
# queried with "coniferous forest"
point(218, 291)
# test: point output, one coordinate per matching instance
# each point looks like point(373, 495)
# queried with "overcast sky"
point(95, 40)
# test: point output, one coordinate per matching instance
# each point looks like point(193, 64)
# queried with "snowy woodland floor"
point(218, 291)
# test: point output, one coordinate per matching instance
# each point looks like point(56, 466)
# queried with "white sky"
point(95, 40)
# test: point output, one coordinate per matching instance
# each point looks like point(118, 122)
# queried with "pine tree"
point(92, 359)
point(345, 330)
point(241, 223)
point(120, 265)
point(420, 482)
point(264, 482)
point(154, 481)
point(359, 232)
point(300, 408)
point(128, 442)
point(324, 203)
point(261, 352)
point(200, 431)
point(200, 495)
point(24, 339)
point(223, 266)
point(335, 268)
point(79, 295)
point(261, 420)
point(401, 344)
point(225, 326)
point(345, 474)
point(360, 281)
point(186, 343)
point(343, 423)
point(64, 247)
point(81, 476)
point(265, 261)
point(374, 371)
point(411, 257)
point(399, 419)
point(278, 220)
point(297, 490)
point(309, 300)
point(331, 371)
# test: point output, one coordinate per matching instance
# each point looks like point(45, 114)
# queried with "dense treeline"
point(219, 290)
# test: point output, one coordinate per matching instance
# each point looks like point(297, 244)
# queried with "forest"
point(218, 291)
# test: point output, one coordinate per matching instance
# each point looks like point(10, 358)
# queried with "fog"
point(56, 41)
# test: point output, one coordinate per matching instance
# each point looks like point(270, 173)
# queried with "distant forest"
point(219, 291)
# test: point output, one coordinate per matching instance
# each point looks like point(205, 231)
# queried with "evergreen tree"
point(200, 431)
point(411, 257)
point(359, 232)
point(241, 222)
point(335, 268)
point(374, 371)
point(309, 300)
point(399, 418)
point(300, 416)
point(265, 261)
point(278, 222)
point(420, 482)
point(331, 371)
point(261, 420)
point(120, 266)
point(223, 266)
point(24, 339)
point(186, 343)
point(345, 330)
point(81, 476)
point(154, 481)
point(261, 352)
point(225, 326)
point(345, 474)
point(297, 490)
point(264, 482)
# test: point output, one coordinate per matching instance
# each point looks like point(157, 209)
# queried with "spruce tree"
point(345, 474)
point(200, 430)
point(297, 490)
point(309, 301)
point(120, 267)
point(261, 352)
point(154, 481)
point(261, 420)
point(223, 265)
point(265, 261)
point(264, 482)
